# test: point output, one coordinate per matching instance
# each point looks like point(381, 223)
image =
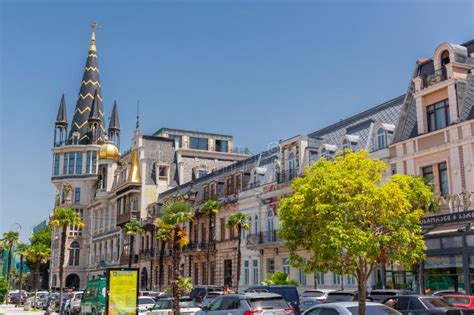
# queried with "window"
point(222, 229)
point(238, 183)
point(204, 272)
point(77, 196)
point(246, 272)
point(270, 266)
point(205, 192)
point(65, 161)
point(443, 179)
point(162, 172)
point(88, 162)
point(255, 271)
point(176, 137)
point(381, 139)
point(427, 173)
point(213, 191)
point(72, 157)
point(78, 163)
point(230, 303)
point(255, 226)
point(221, 146)
point(203, 232)
point(346, 145)
point(302, 275)
point(202, 173)
point(94, 162)
point(56, 165)
point(286, 265)
point(74, 254)
point(197, 143)
point(437, 115)
point(336, 279)
point(319, 278)
point(229, 185)
point(213, 272)
point(196, 273)
point(350, 280)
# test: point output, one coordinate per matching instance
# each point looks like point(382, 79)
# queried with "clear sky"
point(258, 70)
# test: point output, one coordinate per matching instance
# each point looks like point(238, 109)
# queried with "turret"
point(94, 121)
point(60, 126)
point(114, 127)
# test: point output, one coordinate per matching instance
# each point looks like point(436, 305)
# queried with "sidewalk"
point(7, 309)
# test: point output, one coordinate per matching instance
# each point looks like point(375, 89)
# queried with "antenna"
point(138, 114)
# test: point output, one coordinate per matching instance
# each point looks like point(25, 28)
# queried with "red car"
point(460, 300)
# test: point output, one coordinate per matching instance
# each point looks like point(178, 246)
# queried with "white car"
point(317, 294)
point(350, 308)
point(164, 306)
point(39, 295)
point(145, 304)
point(73, 305)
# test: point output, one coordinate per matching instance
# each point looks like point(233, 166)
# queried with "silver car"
point(350, 308)
point(248, 303)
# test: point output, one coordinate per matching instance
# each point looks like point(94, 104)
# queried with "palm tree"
point(170, 228)
point(36, 255)
point(132, 228)
point(10, 239)
point(210, 208)
point(21, 250)
point(240, 221)
point(279, 278)
point(63, 218)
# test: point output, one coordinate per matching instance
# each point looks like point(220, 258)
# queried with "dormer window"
point(346, 145)
point(327, 151)
point(381, 139)
point(437, 115)
point(445, 58)
point(75, 138)
point(350, 142)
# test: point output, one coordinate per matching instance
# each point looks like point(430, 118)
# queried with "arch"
point(444, 58)
point(73, 281)
point(74, 254)
point(144, 279)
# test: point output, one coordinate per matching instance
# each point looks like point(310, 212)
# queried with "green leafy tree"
point(10, 239)
point(37, 254)
point(62, 218)
point(240, 221)
point(210, 208)
point(350, 221)
point(21, 250)
point(4, 287)
point(170, 228)
point(132, 228)
point(42, 236)
point(279, 278)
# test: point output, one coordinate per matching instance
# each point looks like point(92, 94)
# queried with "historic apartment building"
point(110, 189)
point(435, 140)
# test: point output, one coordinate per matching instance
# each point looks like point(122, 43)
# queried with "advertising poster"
point(123, 292)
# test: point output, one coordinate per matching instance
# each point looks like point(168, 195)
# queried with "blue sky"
point(259, 70)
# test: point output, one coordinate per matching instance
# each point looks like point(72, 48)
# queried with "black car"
point(380, 295)
point(344, 296)
point(422, 305)
point(198, 293)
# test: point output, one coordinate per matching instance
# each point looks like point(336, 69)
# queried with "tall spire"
point(60, 125)
point(138, 115)
point(89, 92)
point(114, 124)
point(61, 118)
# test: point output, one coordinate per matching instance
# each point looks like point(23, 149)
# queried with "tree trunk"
point(9, 263)
point(174, 283)
point(208, 280)
point(361, 287)
point(132, 240)
point(161, 274)
point(61, 267)
point(239, 254)
point(35, 281)
point(21, 271)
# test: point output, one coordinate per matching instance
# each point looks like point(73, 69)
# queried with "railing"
point(124, 259)
point(263, 238)
point(286, 176)
point(147, 253)
point(127, 217)
point(199, 247)
point(435, 77)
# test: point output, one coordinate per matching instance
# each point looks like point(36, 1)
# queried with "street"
point(11, 309)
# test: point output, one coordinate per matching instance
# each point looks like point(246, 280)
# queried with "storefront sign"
point(454, 217)
point(122, 291)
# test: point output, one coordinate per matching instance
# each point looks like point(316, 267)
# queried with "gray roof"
point(114, 119)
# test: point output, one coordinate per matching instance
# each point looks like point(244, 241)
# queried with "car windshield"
point(142, 301)
point(187, 304)
point(435, 302)
point(268, 303)
point(312, 294)
point(373, 310)
point(339, 297)
point(457, 300)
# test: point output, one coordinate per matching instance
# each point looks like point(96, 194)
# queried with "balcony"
point(434, 78)
point(124, 259)
point(199, 247)
point(286, 176)
point(127, 217)
point(146, 253)
point(263, 238)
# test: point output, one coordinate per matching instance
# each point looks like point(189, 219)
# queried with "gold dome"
point(108, 151)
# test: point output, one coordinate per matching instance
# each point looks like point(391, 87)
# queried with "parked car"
point(164, 306)
point(444, 292)
point(94, 297)
point(380, 295)
point(344, 296)
point(350, 308)
point(198, 293)
point(73, 304)
point(460, 300)
point(51, 300)
point(17, 297)
point(308, 302)
point(424, 304)
point(145, 304)
point(39, 295)
point(211, 296)
point(317, 294)
point(248, 304)
point(288, 292)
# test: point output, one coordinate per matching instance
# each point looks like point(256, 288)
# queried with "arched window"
point(444, 58)
point(291, 163)
point(346, 144)
point(381, 139)
point(74, 254)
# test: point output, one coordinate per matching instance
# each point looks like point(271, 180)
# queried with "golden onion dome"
point(108, 151)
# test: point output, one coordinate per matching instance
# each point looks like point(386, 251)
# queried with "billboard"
point(122, 288)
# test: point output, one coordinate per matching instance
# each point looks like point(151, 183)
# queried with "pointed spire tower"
point(89, 92)
point(60, 126)
point(114, 126)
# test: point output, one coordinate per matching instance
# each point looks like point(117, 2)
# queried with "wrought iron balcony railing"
point(266, 237)
point(286, 176)
point(199, 247)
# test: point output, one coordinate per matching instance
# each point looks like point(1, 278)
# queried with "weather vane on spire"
point(94, 26)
